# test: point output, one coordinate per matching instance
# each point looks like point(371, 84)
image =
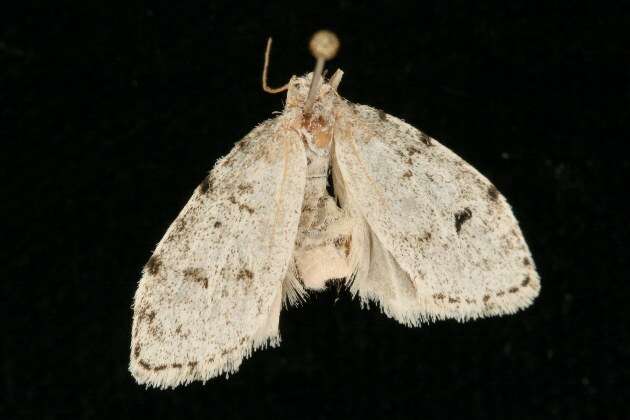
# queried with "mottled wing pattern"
point(211, 293)
point(446, 241)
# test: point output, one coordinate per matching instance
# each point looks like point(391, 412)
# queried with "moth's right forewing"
point(437, 225)
point(211, 293)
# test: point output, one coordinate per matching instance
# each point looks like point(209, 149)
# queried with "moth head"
point(323, 94)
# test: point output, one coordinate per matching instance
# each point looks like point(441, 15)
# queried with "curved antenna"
point(266, 87)
point(324, 46)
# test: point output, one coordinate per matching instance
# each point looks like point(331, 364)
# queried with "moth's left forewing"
point(211, 293)
point(436, 220)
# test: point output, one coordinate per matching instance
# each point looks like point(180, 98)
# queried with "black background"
point(112, 114)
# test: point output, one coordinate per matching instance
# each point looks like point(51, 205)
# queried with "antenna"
point(266, 87)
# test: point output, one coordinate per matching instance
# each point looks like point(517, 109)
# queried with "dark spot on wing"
point(501, 293)
point(245, 274)
point(206, 185)
point(486, 298)
point(144, 364)
point(453, 300)
point(382, 115)
point(493, 193)
point(469, 301)
point(344, 242)
point(426, 237)
point(526, 281)
point(245, 188)
point(439, 296)
point(462, 217)
point(229, 160)
point(136, 350)
point(425, 139)
point(413, 150)
point(155, 331)
point(217, 224)
point(308, 160)
point(159, 368)
point(146, 313)
point(192, 365)
point(526, 262)
point(176, 365)
point(407, 174)
point(196, 275)
point(181, 225)
point(246, 207)
point(154, 265)
point(241, 206)
point(513, 289)
point(244, 143)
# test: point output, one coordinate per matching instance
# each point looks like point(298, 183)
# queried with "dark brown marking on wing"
point(245, 188)
point(245, 274)
point(146, 313)
point(249, 209)
point(241, 206)
point(344, 242)
point(462, 217)
point(206, 185)
point(426, 237)
point(412, 150)
point(493, 193)
point(196, 276)
point(154, 265)
point(144, 364)
point(244, 143)
point(425, 139)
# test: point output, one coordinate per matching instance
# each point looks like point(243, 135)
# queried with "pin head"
point(324, 44)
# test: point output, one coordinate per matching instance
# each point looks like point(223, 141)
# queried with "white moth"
point(412, 227)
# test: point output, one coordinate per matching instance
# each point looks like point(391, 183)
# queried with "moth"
point(408, 226)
